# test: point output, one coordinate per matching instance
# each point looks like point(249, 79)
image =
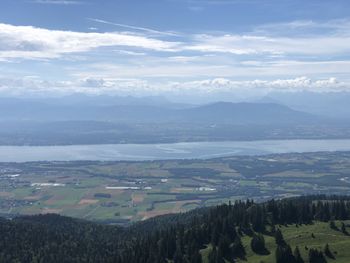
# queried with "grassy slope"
point(301, 236)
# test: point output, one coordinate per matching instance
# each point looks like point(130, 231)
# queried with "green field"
point(300, 236)
point(122, 192)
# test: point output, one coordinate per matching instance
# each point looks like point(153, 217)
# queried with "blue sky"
point(215, 48)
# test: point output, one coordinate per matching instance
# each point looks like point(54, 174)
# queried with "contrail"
point(149, 30)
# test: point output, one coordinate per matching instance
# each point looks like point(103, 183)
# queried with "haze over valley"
point(82, 119)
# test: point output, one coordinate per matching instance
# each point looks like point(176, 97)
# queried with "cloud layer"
point(32, 42)
point(144, 61)
point(27, 42)
point(221, 88)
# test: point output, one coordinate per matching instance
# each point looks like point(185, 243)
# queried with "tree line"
point(175, 238)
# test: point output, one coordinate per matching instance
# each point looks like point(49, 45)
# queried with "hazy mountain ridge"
point(219, 112)
point(101, 120)
point(249, 113)
point(330, 104)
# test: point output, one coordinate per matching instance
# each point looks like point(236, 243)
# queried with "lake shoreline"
point(166, 151)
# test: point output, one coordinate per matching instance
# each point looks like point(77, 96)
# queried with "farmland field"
point(123, 192)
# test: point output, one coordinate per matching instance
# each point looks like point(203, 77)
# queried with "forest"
point(210, 234)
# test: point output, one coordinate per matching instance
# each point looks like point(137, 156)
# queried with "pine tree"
point(279, 254)
point(213, 255)
point(316, 256)
point(284, 254)
point(343, 229)
point(220, 256)
point(178, 256)
point(224, 247)
point(215, 236)
point(332, 225)
point(297, 255)
point(237, 248)
point(258, 244)
point(328, 252)
point(279, 238)
point(196, 257)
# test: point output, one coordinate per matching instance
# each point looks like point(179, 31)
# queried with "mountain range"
point(105, 119)
point(219, 112)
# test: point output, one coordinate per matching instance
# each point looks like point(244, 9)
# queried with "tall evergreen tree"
point(258, 244)
point(237, 248)
point(297, 255)
point(279, 239)
point(328, 252)
point(316, 256)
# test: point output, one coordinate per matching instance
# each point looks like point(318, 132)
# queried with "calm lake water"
point(200, 150)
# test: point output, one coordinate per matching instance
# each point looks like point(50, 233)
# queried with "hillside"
point(301, 236)
point(239, 232)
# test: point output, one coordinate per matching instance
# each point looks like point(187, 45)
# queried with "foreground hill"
point(305, 229)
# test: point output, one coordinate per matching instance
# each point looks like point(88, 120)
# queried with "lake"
point(190, 150)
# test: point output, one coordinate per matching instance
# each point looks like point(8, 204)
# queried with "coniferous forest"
point(204, 235)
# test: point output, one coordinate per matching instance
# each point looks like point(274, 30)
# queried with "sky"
point(233, 49)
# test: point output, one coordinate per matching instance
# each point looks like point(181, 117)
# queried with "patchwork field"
point(122, 192)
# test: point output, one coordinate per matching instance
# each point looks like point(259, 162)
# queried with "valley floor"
point(124, 192)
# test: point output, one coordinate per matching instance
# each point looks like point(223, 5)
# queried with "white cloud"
point(152, 69)
point(29, 42)
point(305, 27)
point(32, 43)
point(198, 64)
point(291, 85)
point(138, 87)
point(198, 67)
point(128, 52)
point(34, 86)
point(255, 45)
